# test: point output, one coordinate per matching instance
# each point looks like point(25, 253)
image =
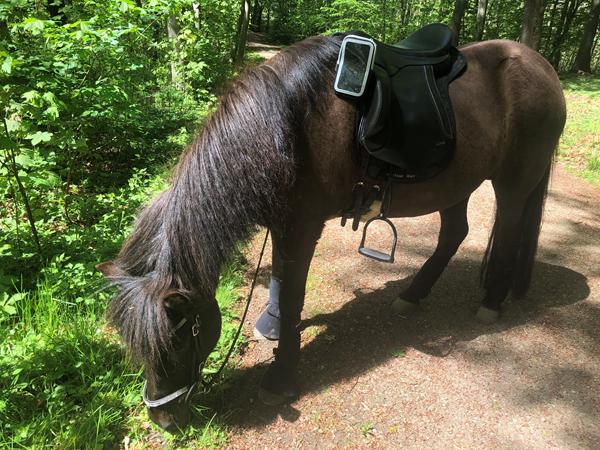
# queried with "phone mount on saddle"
point(405, 130)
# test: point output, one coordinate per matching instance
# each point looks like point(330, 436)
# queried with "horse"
point(278, 152)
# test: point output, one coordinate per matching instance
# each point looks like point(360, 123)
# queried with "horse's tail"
point(527, 241)
point(531, 224)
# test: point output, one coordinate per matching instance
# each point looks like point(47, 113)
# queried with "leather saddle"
point(406, 129)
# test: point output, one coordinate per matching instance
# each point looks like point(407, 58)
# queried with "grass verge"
point(580, 143)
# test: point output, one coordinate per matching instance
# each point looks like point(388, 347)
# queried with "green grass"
point(63, 377)
point(67, 383)
point(580, 143)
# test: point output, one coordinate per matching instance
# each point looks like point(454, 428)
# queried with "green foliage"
point(60, 376)
point(97, 98)
point(343, 15)
point(389, 21)
point(88, 96)
point(66, 383)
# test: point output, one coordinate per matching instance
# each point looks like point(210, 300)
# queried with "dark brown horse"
point(278, 152)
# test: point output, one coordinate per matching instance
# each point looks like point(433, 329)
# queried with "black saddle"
point(406, 128)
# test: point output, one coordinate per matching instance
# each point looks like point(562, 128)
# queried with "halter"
point(197, 367)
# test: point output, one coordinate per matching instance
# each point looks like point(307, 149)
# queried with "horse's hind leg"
point(510, 255)
point(292, 253)
point(453, 230)
point(498, 270)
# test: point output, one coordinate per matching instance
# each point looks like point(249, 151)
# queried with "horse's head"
point(172, 331)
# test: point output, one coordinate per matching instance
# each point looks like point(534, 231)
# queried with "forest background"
point(98, 99)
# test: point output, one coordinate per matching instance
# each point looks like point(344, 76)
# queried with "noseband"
point(196, 374)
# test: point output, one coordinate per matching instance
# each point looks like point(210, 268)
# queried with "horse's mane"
point(232, 177)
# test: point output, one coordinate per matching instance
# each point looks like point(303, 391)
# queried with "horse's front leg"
point(453, 230)
point(292, 252)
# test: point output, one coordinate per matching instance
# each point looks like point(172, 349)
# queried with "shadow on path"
point(362, 334)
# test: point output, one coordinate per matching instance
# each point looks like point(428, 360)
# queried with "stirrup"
point(376, 254)
point(371, 252)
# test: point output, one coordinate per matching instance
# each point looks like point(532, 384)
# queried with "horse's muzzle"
point(171, 419)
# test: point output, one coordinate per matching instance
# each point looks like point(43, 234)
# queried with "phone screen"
point(353, 67)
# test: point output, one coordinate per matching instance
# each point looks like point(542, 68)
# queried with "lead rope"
point(208, 384)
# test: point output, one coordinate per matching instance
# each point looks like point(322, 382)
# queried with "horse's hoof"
point(487, 316)
point(404, 308)
point(272, 399)
point(278, 386)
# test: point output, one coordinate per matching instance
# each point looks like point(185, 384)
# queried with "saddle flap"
point(410, 118)
point(374, 121)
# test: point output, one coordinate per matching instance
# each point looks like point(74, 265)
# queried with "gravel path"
point(439, 379)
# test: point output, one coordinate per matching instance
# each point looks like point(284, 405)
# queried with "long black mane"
point(233, 177)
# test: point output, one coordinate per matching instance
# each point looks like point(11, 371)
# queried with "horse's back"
point(510, 112)
point(520, 80)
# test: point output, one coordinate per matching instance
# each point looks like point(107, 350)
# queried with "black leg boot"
point(267, 325)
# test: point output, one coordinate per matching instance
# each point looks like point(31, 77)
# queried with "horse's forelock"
point(138, 313)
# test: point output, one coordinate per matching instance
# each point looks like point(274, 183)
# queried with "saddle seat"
point(431, 40)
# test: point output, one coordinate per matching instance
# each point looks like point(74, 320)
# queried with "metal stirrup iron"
point(373, 253)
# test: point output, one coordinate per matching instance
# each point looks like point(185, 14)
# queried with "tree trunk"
point(531, 31)
point(173, 33)
point(242, 33)
point(268, 15)
point(55, 9)
point(384, 25)
point(481, 13)
point(567, 15)
point(405, 14)
point(553, 18)
point(11, 166)
point(196, 9)
point(583, 60)
point(256, 19)
point(459, 12)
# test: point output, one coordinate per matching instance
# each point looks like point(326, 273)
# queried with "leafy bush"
point(97, 99)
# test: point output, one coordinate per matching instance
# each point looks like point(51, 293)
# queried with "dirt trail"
point(439, 379)
point(259, 44)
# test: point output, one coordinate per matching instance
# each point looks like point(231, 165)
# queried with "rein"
point(197, 374)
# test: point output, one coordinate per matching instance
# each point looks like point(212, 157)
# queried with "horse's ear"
point(175, 300)
point(110, 269)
